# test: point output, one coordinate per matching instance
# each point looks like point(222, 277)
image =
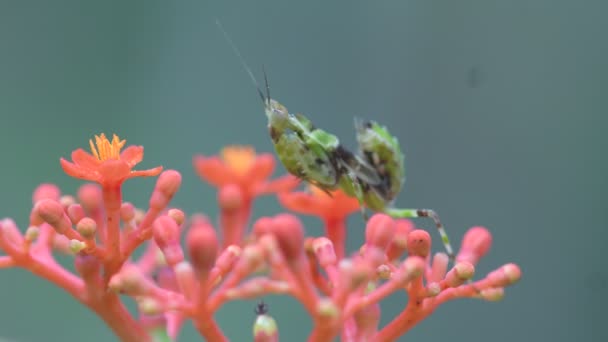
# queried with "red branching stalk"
point(173, 283)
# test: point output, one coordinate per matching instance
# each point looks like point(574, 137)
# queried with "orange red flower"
point(106, 164)
point(241, 165)
point(326, 205)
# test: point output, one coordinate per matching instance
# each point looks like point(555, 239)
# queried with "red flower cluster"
point(341, 292)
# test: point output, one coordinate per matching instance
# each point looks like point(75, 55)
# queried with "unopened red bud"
point(32, 233)
point(66, 201)
point(262, 226)
point(177, 215)
point(228, 257)
point(433, 289)
point(460, 273)
point(398, 245)
point(46, 191)
point(11, 232)
point(475, 244)
point(230, 197)
point(419, 243)
point(506, 275)
point(166, 235)
point(75, 212)
point(383, 272)
point(324, 250)
point(89, 196)
point(76, 246)
point(52, 213)
point(87, 227)
point(410, 269)
point(493, 294)
point(380, 231)
point(439, 267)
point(166, 186)
point(289, 233)
point(149, 306)
point(127, 212)
point(129, 280)
point(202, 246)
point(512, 272)
point(326, 309)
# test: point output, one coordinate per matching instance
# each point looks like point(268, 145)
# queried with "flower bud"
point(202, 247)
point(127, 212)
point(289, 233)
point(87, 227)
point(475, 244)
point(46, 191)
point(52, 213)
point(166, 235)
point(166, 186)
point(419, 243)
point(89, 196)
point(380, 231)
point(75, 212)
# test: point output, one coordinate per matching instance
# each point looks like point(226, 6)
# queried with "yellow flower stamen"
point(239, 158)
point(103, 149)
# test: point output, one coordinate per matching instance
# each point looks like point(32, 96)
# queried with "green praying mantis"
point(374, 176)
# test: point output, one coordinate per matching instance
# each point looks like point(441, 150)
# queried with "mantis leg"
point(413, 213)
point(354, 187)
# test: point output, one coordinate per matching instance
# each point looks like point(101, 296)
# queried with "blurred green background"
point(500, 107)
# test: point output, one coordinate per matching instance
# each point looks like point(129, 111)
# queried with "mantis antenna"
point(265, 99)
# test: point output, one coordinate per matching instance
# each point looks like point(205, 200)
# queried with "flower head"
point(241, 165)
point(106, 164)
point(317, 202)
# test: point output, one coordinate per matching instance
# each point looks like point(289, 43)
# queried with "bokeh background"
point(500, 107)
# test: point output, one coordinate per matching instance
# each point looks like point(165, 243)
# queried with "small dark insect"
point(261, 308)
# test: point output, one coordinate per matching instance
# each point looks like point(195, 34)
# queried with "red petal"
point(262, 167)
point(146, 173)
point(76, 171)
point(302, 203)
point(132, 155)
point(85, 160)
point(114, 171)
point(283, 184)
point(213, 170)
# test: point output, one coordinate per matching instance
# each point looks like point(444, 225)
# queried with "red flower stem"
point(468, 290)
point(112, 200)
point(206, 325)
point(305, 285)
point(335, 230)
point(234, 222)
point(50, 270)
point(408, 318)
point(324, 331)
point(230, 223)
point(109, 307)
point(320, 282)
point(147, 262)
point(6, 261)
point(116, 316)
point(374, 297)
point(141, 234)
